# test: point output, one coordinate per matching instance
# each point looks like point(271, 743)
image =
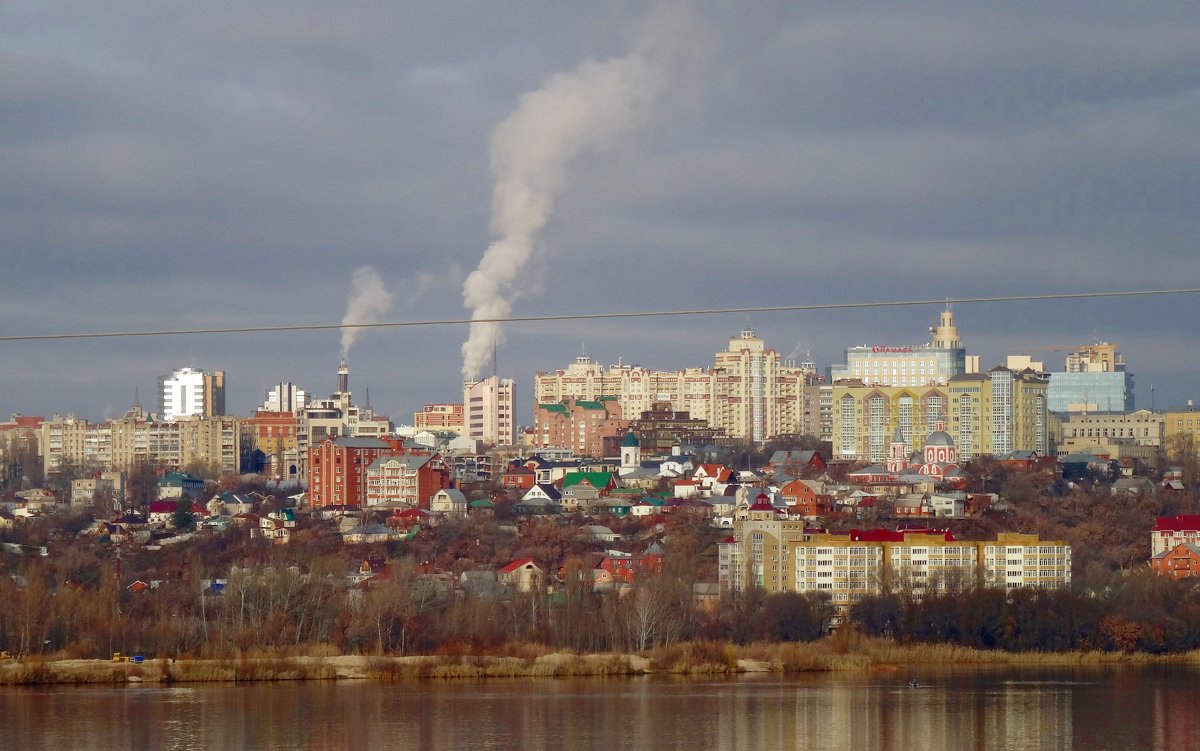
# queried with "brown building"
point(660, 429)
point(1180, 562)
point(579, 425)
point(337, 469)
point(440, 417)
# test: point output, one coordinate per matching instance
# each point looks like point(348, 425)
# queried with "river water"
point(981, 708)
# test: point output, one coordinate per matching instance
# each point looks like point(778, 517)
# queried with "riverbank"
point(693, 658)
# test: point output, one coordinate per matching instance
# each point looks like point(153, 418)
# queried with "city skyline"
point(220, 166)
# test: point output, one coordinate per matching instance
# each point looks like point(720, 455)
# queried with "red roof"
point(515, 565)
point(1181, 523)
point(763, 506)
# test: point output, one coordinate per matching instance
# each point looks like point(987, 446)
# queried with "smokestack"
point(343, 378)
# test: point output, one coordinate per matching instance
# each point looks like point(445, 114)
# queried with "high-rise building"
point(1094, 380)
point(749, 393)
point(489, 407)
point(285, 397)
point(189, 391)
point(336, 416)
point(998, 412)
point(930, 364)
point(865, 418)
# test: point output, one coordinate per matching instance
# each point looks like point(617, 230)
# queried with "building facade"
point(410, 479)
point(489, 407)
point(190, 392)
point(337, 469)
point(440, 417)
point(749, 393)
point(579, 425)
point(140, 438)
point(1094, 380)
point(771, 551)
point(918, 365)
point(866, 418)
point(998, 412)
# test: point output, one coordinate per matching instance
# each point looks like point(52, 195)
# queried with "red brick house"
point(337, 468)
point(1180, 562)
point(806, 498)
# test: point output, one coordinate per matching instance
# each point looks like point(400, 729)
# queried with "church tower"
point(631, 454)
point(897, 460)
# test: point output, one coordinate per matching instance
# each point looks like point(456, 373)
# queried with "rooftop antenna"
point(368, 404)
point(1152, 397)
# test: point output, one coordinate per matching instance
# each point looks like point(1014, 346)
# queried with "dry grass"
point(846, 651)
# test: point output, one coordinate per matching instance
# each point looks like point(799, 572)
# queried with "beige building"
point(865, 418)
point(770, 551)
point(1016, 561)
point(998, 412)
point(750, 392)
point(489, 408)
point(1142, 428)
point(1181, 425)
point(139, 437)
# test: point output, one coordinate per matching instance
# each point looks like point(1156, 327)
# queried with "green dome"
point(630, 440)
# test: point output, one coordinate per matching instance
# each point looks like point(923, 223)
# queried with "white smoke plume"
point(587, 109)
point(369, 300)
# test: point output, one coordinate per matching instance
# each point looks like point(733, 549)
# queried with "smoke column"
point(368, 301)
point(587, 109)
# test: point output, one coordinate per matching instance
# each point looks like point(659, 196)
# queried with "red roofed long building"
point(782, 556)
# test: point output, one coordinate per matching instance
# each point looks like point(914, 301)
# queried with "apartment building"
point(490, 410)
point(191, 392)
point(771, 551)
point(440, 417)
point(749, 392)
point(579, 425)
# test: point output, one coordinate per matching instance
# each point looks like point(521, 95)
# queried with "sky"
point(224, 164)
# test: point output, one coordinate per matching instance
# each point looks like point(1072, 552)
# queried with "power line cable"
point(599, 316)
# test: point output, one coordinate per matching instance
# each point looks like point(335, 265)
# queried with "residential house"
point(449, 502)
point(796, 463)
point(808, 497)
point(523, 575)
point(179, 484)
point(1180, 562)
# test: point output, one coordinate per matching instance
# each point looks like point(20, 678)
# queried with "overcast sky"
point(231, 164)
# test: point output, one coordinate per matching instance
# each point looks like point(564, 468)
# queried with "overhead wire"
point(600, 316)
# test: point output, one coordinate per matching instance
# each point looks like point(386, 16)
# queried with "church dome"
point(630, 441)
point(939, 438)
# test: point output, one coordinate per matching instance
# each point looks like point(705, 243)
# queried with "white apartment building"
point(189, 391)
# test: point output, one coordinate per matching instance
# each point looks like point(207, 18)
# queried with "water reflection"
point(959, 709)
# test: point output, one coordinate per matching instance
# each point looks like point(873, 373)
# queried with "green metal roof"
point(595, 479)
